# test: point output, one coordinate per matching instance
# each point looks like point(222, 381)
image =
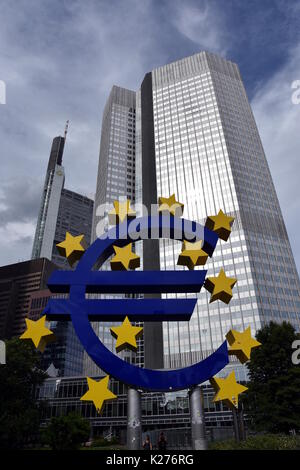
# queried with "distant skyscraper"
point(48, 213)
point(196, 137)
point(61, 211)
point(116, 179)
point(116, 170)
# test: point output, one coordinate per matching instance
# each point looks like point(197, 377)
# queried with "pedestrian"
point(162, 442)
point(147, 443)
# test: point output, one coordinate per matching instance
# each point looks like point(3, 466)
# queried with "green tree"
point(273, 399)
point(67, 432)
point(19, 377)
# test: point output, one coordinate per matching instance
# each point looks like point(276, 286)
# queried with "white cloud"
point(16, 241)
point(202, 24)
point(16, 231)
point(278, 123)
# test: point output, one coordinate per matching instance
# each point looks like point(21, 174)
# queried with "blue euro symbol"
point(86, 280)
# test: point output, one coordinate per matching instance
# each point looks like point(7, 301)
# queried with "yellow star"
point(126, 335)
point(170, 205)
point(221, 224)
point(241, 344)
point(124, 259)
point(121, 211)
point(98, 392)
point(39, 334)
point(227, 389)
point(192, 255)
point(220, 287)
point(71, 248)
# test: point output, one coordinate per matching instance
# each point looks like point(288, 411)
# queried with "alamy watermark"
point(138, 228)
point(2, 92)
point(2, 352)
point(296, 94)
point(296, 353)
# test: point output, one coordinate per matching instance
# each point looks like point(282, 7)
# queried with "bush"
point(260, 442)
point(67, 432)
point(101, 442)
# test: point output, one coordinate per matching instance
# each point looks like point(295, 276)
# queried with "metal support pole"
point(199, 441)
point(241, 423)
point(134, 425)
point(236, 424)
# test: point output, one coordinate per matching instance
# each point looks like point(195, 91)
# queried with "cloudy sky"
point(59, 59)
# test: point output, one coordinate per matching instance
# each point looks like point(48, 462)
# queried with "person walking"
point(147, 443)
point(162, 442)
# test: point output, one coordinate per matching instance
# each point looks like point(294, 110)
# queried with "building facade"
point(17, 284)
point(198, 139)
point(48, 212)
point(65, 354)
point(168, 412)
point(115, 181)
point(75, 215)
point(61, 211)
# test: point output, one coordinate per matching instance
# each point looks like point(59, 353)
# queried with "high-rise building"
point(48, 213)
point(198, 139)
point(116, 180)
point(17, 284)
point(116, 169)
point(61, 211)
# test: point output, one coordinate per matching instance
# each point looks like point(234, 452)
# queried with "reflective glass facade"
point(190, 130)
point(167, 411)
point(115, 181)
point(209, 153)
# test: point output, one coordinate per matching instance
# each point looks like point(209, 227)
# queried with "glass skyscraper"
point(115, 181)
point(189, 130)
point(198, 139)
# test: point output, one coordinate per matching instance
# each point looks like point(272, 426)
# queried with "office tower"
point(61, 211)
point(116, 180)
point(17, 283)
point(48, 213)
point(116, 169)
point(198, 139)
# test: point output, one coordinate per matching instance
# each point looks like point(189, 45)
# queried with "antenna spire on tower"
point(66, 128)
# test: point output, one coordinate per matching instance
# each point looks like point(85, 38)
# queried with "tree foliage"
point(273, 398)
point(67, 432)
point(19, 377)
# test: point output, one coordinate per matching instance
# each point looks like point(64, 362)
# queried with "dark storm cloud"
point(59, 60)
